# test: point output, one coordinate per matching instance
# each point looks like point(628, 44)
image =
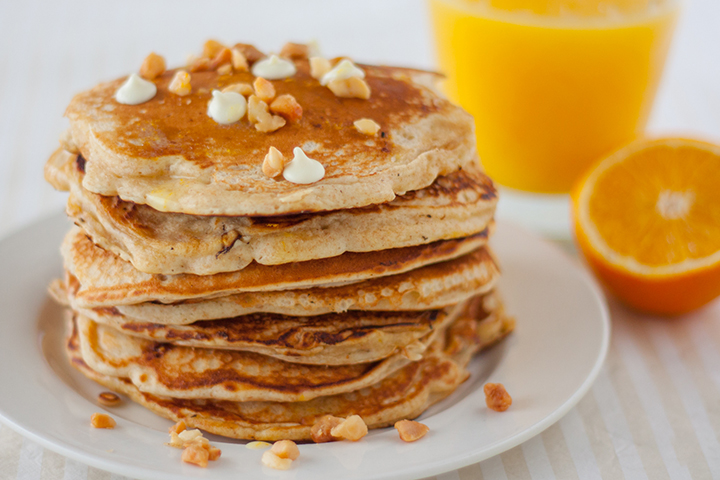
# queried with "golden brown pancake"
point(405, 394)
point(434, 286)
point(170, 370)
point(168, 153)
point(106, 280)
point(456, 205)
point(331, 339)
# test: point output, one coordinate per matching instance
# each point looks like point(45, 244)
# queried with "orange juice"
point(553, 84)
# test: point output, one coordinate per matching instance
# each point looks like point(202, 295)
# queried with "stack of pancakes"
point(250, 306)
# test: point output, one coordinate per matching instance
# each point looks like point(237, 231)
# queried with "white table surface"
point(654, 412)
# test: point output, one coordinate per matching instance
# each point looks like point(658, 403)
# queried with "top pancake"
point(168, 153)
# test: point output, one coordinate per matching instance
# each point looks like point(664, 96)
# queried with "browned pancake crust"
point(107, 280)
point(405, 394)
point(170, 154)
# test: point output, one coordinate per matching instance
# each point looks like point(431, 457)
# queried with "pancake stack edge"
point(254, 325)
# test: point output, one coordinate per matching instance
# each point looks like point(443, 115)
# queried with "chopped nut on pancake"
point(367, 126)
point(264, 89)
point(352, 87)
point(223, 57)
point(273, 163)
point(287, 107)
point(250, 53)
point(239, 62)
point(294, 51)
point(319, 66)
point(211, 48)
point(152, 67)
point(259, 114)
point(180, 83)
point(242, 88)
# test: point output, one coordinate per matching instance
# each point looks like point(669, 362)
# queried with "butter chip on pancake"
point(169, 154)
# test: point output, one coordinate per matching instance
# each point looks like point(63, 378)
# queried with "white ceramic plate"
point(547, 365)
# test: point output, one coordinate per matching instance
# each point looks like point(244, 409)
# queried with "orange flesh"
point(624, 205)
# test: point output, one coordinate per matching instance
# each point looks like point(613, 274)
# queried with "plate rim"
point(417, 471)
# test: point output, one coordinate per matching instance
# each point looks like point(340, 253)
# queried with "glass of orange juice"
point(553, 84)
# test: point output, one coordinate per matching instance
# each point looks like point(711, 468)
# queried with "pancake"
point(170, 370)
point(169, 154)
point(434, 286)
point(405, 394)
point(457, 205)
point(332, 339)
point(106, 280)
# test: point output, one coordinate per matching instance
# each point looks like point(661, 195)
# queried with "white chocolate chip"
point(274, 68)
point(226, 107)
point(303, 170)
point(135, 90)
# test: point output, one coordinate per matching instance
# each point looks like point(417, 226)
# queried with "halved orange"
point(647, 219)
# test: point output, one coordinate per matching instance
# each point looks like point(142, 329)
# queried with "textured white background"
point(654, 412)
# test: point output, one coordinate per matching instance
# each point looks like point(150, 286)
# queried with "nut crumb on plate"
point(411, 430)
point(198, 64)
point(286, 449)
point(108, 399)
point(269, 459)
point(196, 455)
point(257, 445)
point(100, 420)
point(496, 397)
point(178, 427)
point(353, 428)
